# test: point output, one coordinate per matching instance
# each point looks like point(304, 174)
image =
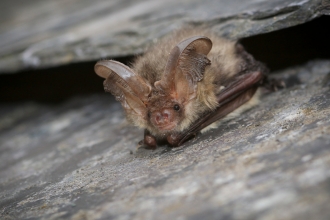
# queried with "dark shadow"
point(292, 46)
point(53, 84)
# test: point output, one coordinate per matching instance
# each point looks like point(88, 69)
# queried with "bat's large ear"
point(128, 87)
point(185, 67)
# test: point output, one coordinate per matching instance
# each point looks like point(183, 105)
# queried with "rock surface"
point(39, 34)
point(79, 160)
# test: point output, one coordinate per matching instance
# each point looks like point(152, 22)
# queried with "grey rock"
point(39, 34)
point(79, 160)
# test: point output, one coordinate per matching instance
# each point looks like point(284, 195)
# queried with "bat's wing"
point(236, 94)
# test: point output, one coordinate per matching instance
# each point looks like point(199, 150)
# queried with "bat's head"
point(162, 106)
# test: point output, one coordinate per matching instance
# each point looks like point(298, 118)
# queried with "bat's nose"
point(162, 117)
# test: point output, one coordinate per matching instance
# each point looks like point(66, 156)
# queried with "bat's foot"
point(147, 146)
point(173, 140)
point(149, 142)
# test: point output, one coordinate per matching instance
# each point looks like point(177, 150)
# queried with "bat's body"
point(181, 86)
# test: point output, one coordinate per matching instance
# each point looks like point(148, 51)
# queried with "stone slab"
point(79, 160)
point(40, 34)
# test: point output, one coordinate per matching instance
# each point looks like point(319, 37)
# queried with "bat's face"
point(165, 114)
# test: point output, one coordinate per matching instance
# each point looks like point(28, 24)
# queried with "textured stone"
point(79, 160)
point(39, 34)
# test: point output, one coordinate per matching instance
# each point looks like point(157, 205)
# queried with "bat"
point(183, 85)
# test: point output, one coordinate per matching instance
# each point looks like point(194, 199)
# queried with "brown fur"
point(194, 86)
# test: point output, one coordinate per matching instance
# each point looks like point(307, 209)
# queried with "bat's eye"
point(176, 107)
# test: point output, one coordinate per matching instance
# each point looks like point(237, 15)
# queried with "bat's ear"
point(185, 67)
point(127, 87)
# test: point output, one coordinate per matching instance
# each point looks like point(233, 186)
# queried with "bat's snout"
point(163, 119)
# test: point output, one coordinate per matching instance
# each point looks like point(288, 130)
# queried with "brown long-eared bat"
point(183, 85)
